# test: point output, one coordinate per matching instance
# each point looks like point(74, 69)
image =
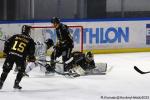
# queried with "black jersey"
point(64, 35)
point(20, 45)
point(80, 59)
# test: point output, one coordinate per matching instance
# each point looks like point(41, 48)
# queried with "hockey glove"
point(31, 58)
point(49, 68)
point(4, 55)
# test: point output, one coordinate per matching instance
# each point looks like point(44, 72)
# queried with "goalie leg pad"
point(79, 70)
point(101, 68)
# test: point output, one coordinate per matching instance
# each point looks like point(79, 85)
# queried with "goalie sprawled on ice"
point(84, 64)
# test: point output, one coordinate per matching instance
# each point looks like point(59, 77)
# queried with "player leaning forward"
point(17, 48)
point(64, 43)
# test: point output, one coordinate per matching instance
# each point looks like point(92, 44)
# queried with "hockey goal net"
point(41, 33)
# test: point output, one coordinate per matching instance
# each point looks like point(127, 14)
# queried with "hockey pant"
point(64, 53)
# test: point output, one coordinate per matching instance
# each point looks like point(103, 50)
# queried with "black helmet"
point(49, 43)
point(55, 20)
point(89, 56)
point(26, 30)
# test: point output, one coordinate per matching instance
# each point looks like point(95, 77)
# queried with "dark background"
point(45, 9)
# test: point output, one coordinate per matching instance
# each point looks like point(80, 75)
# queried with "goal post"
point(41, 33)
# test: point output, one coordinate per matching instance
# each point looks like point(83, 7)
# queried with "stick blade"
point(138, 70)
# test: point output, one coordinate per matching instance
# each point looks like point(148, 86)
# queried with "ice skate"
point(16, 86)
point(1, 84)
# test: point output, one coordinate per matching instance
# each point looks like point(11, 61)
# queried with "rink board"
point(99, 35)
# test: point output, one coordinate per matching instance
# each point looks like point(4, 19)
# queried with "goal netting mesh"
point(41, 33)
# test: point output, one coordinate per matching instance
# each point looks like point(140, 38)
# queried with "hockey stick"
point(56, 61)
point(2, 40)
point(140, 71)
point(52, 62)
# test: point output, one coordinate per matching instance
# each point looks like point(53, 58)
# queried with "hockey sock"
point(19, 77)
point(3, 76)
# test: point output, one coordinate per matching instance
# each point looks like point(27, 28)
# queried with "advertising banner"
point(97, 35)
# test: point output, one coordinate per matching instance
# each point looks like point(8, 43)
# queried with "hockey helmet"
point(89, 56)
point(49, 43)
point(55, 20)
point(26, 30)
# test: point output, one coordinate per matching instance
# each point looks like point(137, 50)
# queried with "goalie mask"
point(89, 56)
point(49, 43)
point(26, 30)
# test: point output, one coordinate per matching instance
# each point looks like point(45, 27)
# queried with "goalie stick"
point(67, 74)
point(140, 71)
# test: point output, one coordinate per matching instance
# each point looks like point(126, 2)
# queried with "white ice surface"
point(122, 80)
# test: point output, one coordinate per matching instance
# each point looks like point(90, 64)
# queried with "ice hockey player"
point(81, 62)
point(40, 54)
point(64, 44)
point(17, 48)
